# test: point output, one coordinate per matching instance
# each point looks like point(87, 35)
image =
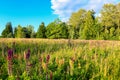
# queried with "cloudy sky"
point(26, 12)
point(64, 8)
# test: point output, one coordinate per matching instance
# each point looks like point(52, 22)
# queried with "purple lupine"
point(10, 54)
point(47, 58)
point(28, 54)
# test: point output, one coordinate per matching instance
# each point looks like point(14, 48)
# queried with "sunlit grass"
point(77, 59)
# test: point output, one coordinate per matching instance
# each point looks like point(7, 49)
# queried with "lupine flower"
point(10, 54)
point(47, 58)
point(28, 54)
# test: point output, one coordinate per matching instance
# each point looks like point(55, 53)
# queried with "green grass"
point(69, 60)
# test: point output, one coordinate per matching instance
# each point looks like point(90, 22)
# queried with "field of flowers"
point(47, 59)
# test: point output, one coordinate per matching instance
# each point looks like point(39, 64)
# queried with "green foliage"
point(77, 20)
point(20, 33)
point(24, 32)
point(87, 31)
point(84, 60)
point(15, 32)
point(110, 21)
point(41, 31)
point(8, 31)
point(82, 24)
point(57, 30)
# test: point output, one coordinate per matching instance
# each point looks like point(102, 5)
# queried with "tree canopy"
point(82, 24)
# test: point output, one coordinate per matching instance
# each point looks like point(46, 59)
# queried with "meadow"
point(59, 59)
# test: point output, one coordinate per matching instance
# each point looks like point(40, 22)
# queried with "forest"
point(83, 24)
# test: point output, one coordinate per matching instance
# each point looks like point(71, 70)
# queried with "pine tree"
point(41, 31)
point(8, 31)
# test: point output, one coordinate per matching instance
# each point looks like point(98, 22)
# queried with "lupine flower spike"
point(9, 57)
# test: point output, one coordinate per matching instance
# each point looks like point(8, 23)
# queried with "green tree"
point(24, 32)
point(117, 30)
point(15, 32)
point(41, 31)
point(20, 33)
point(88, 31)
point(33, 34)
point(76, 21)
point(49, 30)
point(57, 30)
point(8, 31)
point(109, 20)
point(63, 30)
point(30, 31)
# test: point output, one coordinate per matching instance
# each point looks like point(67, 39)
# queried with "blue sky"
point(33, 12)
point(25, 12)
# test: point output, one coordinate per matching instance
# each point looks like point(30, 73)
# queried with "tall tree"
point(88, 31)
point(8, 31)
point(30, 31)
point(63, 30)
point(15, 32)
point(108, 20)
point(57, 29)
point(77, 21)
point(117, 31)
point(20, 33)
point(41, 31)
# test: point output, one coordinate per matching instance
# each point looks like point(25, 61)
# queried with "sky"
point(33, 12)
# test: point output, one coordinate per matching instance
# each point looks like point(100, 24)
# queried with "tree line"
point(82, 24)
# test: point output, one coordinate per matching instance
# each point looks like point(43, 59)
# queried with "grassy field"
point(62, 59)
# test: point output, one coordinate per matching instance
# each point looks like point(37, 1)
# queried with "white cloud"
point(64, 8)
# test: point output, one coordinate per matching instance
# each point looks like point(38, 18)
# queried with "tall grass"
point(60, 59)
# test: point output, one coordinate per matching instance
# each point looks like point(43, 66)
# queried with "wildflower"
point(10, 54)
point(47, 58)
point(28, 54)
